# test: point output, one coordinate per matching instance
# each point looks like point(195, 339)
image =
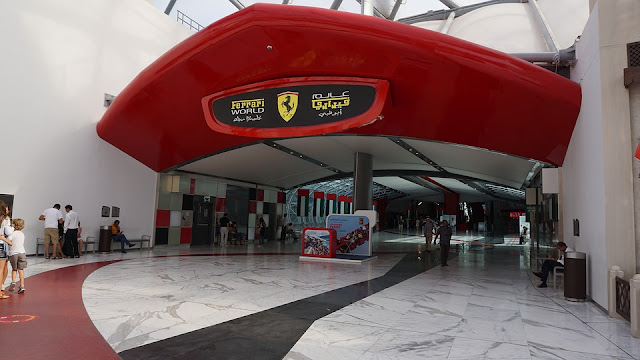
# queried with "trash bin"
point(104, 244)
point(575, 276)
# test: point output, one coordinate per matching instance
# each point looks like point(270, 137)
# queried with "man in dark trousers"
point(444, 232)
point(71, 224)
point(549, 265)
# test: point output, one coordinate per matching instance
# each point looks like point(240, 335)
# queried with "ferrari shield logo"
point(287, 104)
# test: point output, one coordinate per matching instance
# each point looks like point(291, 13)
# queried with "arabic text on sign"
point(334, 103)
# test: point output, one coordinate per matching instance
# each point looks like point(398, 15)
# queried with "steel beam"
point(450, 4)
point(444, 14)
point(237, 4)
point(336, 4)
point(549, 38)
point(170, 7)
point(395, 9)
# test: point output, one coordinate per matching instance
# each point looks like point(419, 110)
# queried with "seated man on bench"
point(548, 265)
point(117, 235)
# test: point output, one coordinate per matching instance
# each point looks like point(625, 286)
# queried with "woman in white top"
point(5, 220)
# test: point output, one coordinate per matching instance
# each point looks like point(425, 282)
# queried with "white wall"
point(597, 177)
point(59, 58)
point(583, 169)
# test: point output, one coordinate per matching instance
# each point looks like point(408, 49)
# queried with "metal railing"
point(623, 301)
point(188, 22)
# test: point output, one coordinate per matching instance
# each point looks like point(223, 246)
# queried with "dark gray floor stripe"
point(270, 334)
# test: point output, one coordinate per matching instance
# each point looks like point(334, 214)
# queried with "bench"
point(558, 272)
point(141, 241)
point(90, 240)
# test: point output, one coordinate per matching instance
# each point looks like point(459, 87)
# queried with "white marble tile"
point(619, 334)
point(613, 349)
point(309, 351)
point(541, 352)
point(506, 331)
point(479, 349)
point(493, 293)
point(426, 323)
point(445, 297)
point(409, 345)
point(325, 334)
point(474, 311)
point(492, 302)
point(373, 311)
point(432, 307)
point(562, 338)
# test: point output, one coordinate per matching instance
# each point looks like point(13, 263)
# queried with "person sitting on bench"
point(548, 265)
point(288, 230)
point(117, 235)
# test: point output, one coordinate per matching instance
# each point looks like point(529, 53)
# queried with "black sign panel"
point(294, 106)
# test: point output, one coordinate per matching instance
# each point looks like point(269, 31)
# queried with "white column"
point(634, 296)
point(615, 271)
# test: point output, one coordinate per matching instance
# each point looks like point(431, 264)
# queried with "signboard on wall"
point(353, 234)
point(296, 106)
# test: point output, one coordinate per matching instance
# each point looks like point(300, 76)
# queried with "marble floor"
point(483, 306)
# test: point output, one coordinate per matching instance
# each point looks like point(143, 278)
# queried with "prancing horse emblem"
point(287, 104)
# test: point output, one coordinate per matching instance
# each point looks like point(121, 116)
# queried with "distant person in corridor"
point(428, 233)
point(224, 230)
point(444, 232)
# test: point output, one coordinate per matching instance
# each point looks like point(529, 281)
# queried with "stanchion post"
point(634, 296)
point(616, 271)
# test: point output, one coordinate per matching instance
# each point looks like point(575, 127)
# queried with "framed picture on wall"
point(115, 211)
point(105, 211)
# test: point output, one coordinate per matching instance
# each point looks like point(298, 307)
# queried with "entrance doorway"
point(202, 233)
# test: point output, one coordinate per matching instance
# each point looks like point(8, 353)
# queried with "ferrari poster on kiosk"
point(353, 234)
point(319, 242)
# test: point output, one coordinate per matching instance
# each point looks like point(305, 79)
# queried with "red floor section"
point(56, 325)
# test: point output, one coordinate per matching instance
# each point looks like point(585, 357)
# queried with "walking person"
point(400, 224)
point(428, 233)
point(52, 217)
point(444, 232)
point(5, 220)
point(71, 224)
point(262, 231)
point(224, 230)
point(17, 255)
point(4, 253)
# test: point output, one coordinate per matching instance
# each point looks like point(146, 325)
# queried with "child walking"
point(17, 255)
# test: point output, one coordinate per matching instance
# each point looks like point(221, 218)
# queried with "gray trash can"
point(104, 243)
point(575, 276)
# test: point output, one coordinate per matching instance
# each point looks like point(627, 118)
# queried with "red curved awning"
point(440, 88)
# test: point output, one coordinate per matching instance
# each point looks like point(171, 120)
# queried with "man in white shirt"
point(548, 265)
point(51, 217)
point(71, 224)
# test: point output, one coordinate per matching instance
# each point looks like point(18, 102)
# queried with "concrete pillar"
point(635, 305)
point(614, 272)
point(363, 182)
point(634, 109)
